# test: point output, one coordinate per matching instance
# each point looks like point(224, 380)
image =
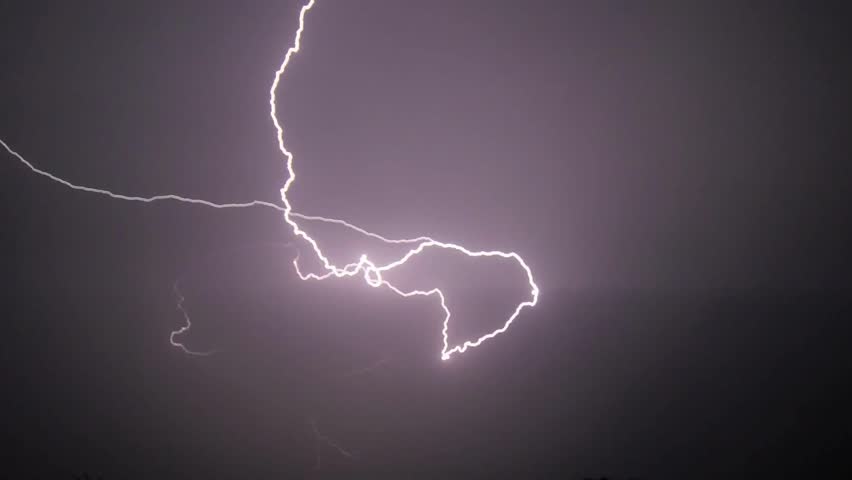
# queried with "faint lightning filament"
point(187, 325)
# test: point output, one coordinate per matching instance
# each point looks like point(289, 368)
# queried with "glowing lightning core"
point(372, 273)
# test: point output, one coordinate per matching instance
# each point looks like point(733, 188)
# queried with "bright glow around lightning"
point(186, 327)
point(372, 273)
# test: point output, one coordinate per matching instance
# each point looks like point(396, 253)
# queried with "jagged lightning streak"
point(372, 273)
point(319, 439)
point(185, 327)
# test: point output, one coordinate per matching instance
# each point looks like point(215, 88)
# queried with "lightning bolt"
point(371, 272)
point(319, 438)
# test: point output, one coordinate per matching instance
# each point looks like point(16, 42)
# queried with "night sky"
point(672, 172)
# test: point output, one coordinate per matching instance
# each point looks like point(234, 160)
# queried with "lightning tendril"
point(185, 327)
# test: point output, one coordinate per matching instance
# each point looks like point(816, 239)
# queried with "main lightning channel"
point(373, 273)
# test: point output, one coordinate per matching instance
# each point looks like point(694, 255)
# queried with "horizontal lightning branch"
point(118, 196)
point(368, 369)
point(196, 201)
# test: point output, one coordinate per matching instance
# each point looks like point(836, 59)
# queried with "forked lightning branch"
point(372, 273)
